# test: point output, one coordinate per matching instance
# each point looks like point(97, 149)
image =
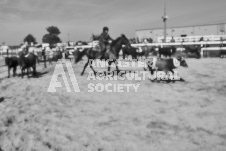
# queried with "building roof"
point(181, 26)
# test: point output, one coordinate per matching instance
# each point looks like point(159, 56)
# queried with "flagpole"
point(165, 17)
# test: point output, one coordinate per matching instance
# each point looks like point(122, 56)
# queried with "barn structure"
point(208, 32)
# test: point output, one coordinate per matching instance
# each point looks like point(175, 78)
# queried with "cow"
point(145, 51)
point(12, 62)
point(69, 55)
point(166, 65)
point(54, 56)
point(26, 62)
point(1, 100)
point(129, 51)
point(193, 51)
point(166, 51)
point(223, 53)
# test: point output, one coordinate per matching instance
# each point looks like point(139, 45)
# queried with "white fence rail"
point(167, 44)
point(194, 38)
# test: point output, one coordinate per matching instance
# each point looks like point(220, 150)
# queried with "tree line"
point(51, 37)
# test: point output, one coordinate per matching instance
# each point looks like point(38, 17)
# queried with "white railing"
point(213, 48)
point(203, 43)
point(167, 44)
point(194, 38)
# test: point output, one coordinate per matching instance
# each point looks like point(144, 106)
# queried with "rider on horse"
point(104, 42)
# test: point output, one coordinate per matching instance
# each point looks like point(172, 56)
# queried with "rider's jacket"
point(104, 38)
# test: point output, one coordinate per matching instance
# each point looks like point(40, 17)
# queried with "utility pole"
point(68, 37)
point(164, 17)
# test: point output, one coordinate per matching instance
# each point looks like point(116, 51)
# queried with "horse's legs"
point(116, 65)
point(9, 72)
point(34, 70)
point(14, 71)
point(37, 59)
point(135, 56)
point(22, 72)
point(91, 66)
point(117, 69)
point(44, 57)
point(50, 61)
point(109, 65)
point(159, 55)
point(87, 63)
point(124, 55)
point(28, 70)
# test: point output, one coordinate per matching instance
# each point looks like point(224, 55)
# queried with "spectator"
point(172, 40)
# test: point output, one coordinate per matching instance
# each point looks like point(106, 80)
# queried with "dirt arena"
point(189, 116)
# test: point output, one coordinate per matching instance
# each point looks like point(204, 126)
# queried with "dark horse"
point(26, 62)
point(110, 56)
point(12, 62)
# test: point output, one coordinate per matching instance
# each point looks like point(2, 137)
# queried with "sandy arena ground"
point(188, 116)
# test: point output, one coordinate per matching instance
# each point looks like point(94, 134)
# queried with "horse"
point(193, 51)
point(110, 56)
point(129, 51)
point(12, 62)
point(26, 62)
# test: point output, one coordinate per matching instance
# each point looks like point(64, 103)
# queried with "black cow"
point(193, 51)
point(26, 62)
point(167, 51)
point(55, 57)
point(129, 51)
point(146, 50)
point(223, 53)
point(12, 62)
point(68, 55)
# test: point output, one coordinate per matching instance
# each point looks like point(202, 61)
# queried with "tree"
point(30, 39)
point(53, 30)
point(52, 36)
point(51, 39)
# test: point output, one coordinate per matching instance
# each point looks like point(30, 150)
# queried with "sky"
point(82, 18)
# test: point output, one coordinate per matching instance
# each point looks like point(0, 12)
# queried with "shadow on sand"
point(37, 75)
